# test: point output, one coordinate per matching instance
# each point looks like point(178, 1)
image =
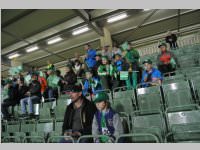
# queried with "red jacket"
point(43, 83)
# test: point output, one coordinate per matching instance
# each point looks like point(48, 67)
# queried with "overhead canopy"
point(24, 28)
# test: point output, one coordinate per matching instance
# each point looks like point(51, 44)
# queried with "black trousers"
point(166, 69)
point(4, 107)
point(173, 45)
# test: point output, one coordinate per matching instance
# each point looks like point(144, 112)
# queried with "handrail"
point(186, 106)
point(36, 137)
point(171, 133)
point(11, 137)
point(91, 136)
point(53, 137)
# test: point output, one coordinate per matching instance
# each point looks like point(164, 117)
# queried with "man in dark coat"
point(33, 96)
point(78, 116)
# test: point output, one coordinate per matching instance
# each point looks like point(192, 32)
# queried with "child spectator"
point(106, 72)
point(91, 84)
point(106, 121)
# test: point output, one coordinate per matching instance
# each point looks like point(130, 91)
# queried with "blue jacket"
point(90, 60)
point(155, 75)
point(94, 84)
point(118, 65)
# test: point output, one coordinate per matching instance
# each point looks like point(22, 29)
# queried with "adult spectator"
point(52, 82)
point(70, 77)
point(22, 89)
point(98, 60)
point(60, 83)
point(10, 99)
point(150, 76)
point(43, 82)
point(106, 121)
point(166, 60)
point(78, 116)
point(77, 57)
point(78, 68)
point(90, 56)
point(33, 96)
point(171, 38)
point(132, 58)
point(116, 50)
point(106, 52)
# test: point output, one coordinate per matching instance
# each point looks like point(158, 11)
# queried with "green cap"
point(104, 57)
point(147, 61)
point(8, 81)
point(101, 96)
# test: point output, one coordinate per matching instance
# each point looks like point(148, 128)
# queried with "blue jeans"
point(52, 93)
point(29, 101)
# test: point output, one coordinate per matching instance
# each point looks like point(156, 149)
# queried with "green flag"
point(123, 75)
point(124, 46)
point(27, 79)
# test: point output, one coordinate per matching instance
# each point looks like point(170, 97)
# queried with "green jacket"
point(52, 81)
point(132, 56)
point(104, 69)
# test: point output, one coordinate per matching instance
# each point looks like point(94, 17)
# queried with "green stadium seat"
point(58, 127)
point(45, 114)
point(123, 105)
point(12, 139)
point(4, 134)
point(196, 87)
point(177, 94)
point(188, 60)
point(44, 128)
point(149, 123)
point(149, 99)
point(173, 79)
point(125, 122)
point(183, 126)
point(137, 138)
point(122, 92)
point(20, 135)
point(34, 137)
point(13, 127)
point(60, 110)
point(28, 126)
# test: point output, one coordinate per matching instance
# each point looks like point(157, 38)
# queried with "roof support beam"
point(145, 19)
point(86, 17)
point(18, 17)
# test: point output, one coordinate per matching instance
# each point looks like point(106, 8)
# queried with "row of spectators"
point(99, 70)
